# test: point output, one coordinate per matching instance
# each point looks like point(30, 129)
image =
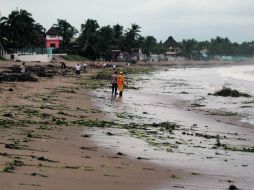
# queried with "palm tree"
point(131, 37)
point(67, 31)
point(89, 38)
point(20, 29)
point(118, 37)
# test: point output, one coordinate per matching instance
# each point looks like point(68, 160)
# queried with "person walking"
point(23, 68)
point(78, 67)
point(114, 83)
point(120, 83)
point(63, 68)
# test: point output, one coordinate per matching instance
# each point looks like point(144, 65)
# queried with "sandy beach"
point(39, 156)
point(48, 142)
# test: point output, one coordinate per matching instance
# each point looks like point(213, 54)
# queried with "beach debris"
point(37, 174)
point(149, 169)
point(120, 154)
point(86, 135)
point(195, 173)
point(32, 185)
point(89, 148)
point(178, 186)
point(109, 133)
point(142, 158)
point(16, 77)
point(8, 115)
point(12, 146)
point(225, 91)
point(45, 159)
point(232, 187)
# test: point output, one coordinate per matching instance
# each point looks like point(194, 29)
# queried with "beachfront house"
point(137, 55)
point(171, 53)
point(53, 38)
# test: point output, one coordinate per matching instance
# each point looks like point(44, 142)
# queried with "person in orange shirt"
point(120, 83)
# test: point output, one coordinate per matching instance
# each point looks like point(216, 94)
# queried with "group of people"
point(78, 67)
point(117, 81)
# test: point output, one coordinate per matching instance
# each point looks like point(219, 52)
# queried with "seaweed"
point(226, 92)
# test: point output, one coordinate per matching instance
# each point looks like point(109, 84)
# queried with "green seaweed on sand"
point(237, 149)
point(60, 121)
point(94, 123)
point(7, 123)
point(10, 166)
point(92, 83)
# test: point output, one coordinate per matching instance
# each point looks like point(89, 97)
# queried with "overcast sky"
point(183, 19)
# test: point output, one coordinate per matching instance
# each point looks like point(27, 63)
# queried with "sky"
point(182, 19)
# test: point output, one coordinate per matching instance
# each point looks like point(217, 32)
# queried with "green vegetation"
point(73, 58)
point(230, 92)
point(7, 123)
point(19, 30)
point(10, 166)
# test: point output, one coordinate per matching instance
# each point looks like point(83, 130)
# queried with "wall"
point(29, 58)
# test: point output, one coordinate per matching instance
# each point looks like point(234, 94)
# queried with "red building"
point(53, 38)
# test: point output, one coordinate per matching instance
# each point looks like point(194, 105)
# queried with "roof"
point(53, 31)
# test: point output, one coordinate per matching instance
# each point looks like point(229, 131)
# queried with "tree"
point(21, 30)
point(118, 37)
point(105, 44)
point(150, 45)
point(88, 39)
point(131, 37)
point(67, 31)
point(190, 48)
point(220, 46)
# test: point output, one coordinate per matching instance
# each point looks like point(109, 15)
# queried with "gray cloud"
point(200, 19)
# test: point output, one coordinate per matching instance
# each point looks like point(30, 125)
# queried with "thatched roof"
point(53, 31)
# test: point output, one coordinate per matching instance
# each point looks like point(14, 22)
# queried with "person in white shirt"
point(78, 67)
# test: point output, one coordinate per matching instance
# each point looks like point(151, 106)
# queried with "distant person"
point(114, 67)
point(114, 83)
point(23, 68)
point(120, 83)
point(78, 68)
point(84, 66)
point(63, 68)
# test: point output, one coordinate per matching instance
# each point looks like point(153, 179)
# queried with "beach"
point(166, 133)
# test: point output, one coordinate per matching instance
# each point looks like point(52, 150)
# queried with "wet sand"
point(212, 144)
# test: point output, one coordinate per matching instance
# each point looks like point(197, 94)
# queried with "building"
point(137, 55)
point(53, 38)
